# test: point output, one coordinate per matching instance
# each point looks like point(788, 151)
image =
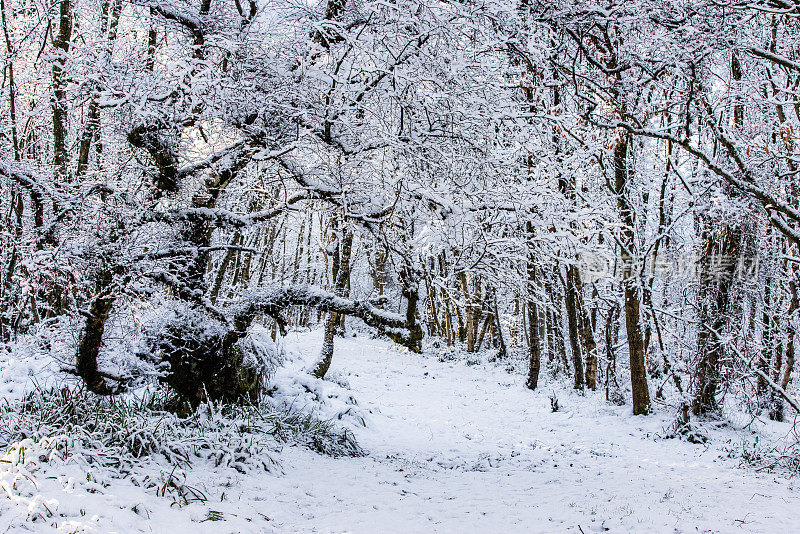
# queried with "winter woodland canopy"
point(609, 192)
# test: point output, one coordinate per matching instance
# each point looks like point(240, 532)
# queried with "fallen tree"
point(208, 357)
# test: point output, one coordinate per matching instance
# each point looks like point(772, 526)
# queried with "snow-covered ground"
point(458, 448)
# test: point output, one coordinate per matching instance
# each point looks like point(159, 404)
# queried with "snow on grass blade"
point(116, 432)
point(59, 447)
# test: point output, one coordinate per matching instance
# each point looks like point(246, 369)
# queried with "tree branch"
point(272, 300)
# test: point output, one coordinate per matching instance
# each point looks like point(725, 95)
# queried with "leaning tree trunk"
point(345, 245)
point(92, 337)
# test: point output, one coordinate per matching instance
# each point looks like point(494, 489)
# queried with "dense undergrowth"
point(62, 448)
point(117, 432)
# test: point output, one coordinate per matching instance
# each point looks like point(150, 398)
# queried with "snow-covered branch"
point(273, 300)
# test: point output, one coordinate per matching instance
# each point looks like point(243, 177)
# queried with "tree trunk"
point(472, 309)
point(571, 290)
point(556, 324)
point(378, 271)
point(721, 247)
point(410, 291)
point(91, 131)
point(223, 268)
point(586, 331)
point(721, 244)
point(534, 341)
point(785, 380)
point(765, 355)
point(486, 323)
point(61, 43)
point(342, 277)
point(611, 342)
point(92, 338)
point(498, 329)
point(628, 248)
point(534, 346)
point(434, 326)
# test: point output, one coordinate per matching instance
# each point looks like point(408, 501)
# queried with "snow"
point(293, 386)
point(450, 448)
point(454, 448)
point(89, 502)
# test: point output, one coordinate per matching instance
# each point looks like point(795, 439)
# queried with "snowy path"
point(459, 449)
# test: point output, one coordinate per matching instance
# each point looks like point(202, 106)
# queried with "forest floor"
point(462, 448)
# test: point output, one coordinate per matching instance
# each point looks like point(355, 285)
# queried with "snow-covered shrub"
point(616, 396)
point(200, 362)
point(778, 456)
point(686, 430)
point(329, 399)
point(260, 351)
point(554, 407)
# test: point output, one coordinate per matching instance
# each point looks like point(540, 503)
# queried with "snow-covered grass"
point(64, 448)
point(453, 443)
point(126, 429)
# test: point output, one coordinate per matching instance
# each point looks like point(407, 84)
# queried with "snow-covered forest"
point(399, 266)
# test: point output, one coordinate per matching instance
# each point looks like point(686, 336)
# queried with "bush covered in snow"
point(198, 360)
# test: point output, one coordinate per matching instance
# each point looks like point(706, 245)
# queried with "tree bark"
point(571, 291)
point(61, 43)
point(345, 245)
point(92, 338)
point(628, 248)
